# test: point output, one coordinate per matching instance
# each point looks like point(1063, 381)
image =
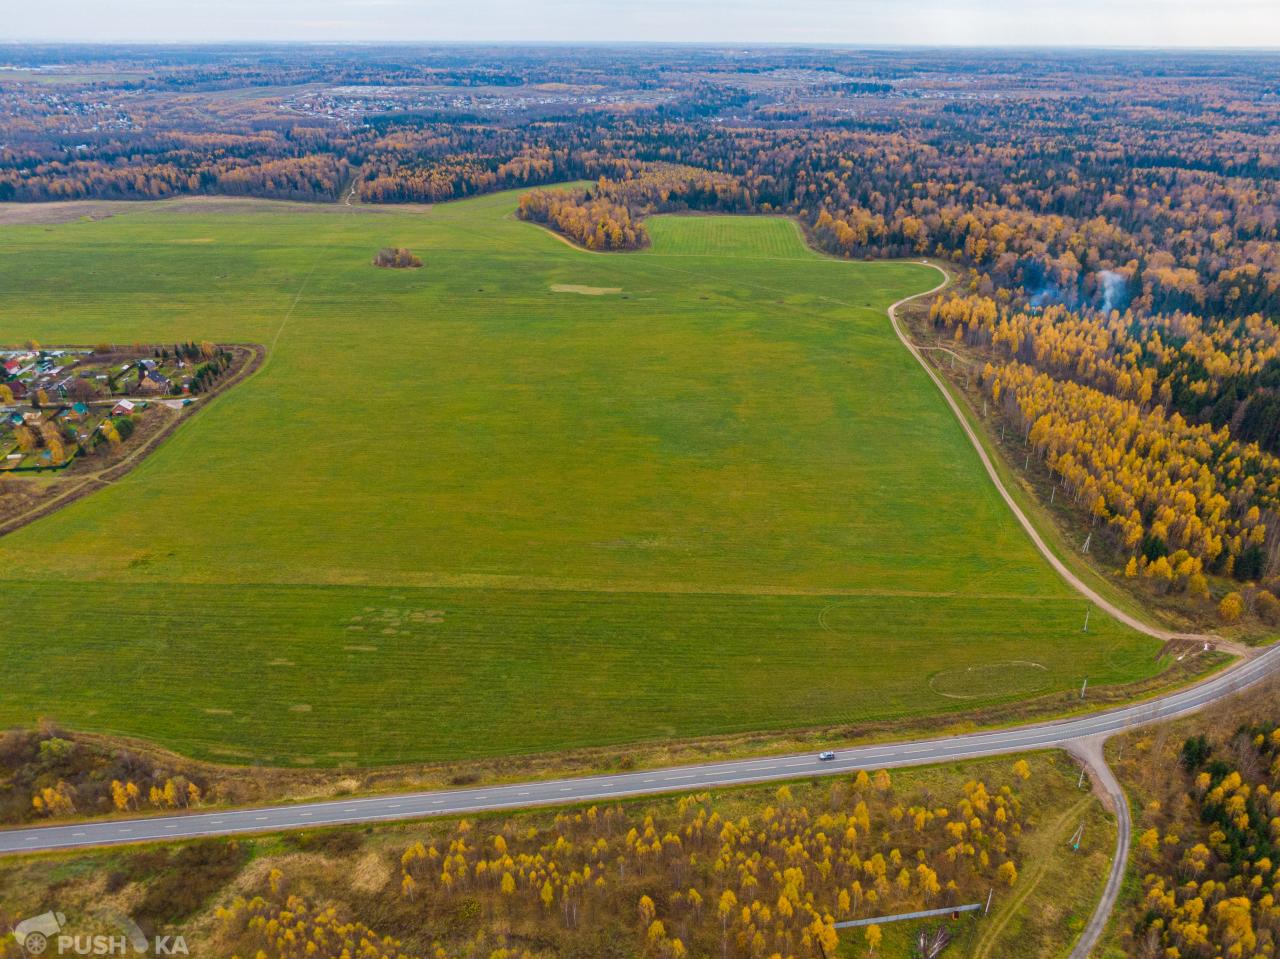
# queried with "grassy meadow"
point(459, 512)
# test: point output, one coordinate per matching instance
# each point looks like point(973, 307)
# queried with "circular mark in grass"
point(1015, 677)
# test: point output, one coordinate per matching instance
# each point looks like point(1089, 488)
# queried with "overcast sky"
point(1196, 23)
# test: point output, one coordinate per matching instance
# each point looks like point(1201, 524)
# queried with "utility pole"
point(1053, 494)
point(1084, 686)
point(1080, 781)
point(1075, 840)
point(1088, 610)
point(1087, 540)
point(990, 893)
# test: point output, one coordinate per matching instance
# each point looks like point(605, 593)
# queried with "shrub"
point(1231, 607)
point(396, 258)
point(1268, 608)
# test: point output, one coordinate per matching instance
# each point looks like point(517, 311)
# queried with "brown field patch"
point(584, 290)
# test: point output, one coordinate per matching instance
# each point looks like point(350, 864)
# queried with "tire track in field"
point(1030, 881)
point(271, 347)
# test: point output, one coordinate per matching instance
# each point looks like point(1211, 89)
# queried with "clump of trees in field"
point(699, 876)
point(396, 258)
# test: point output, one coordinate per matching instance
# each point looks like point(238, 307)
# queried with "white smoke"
point(1115, 293)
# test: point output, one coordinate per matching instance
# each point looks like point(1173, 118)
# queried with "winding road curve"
point(1063, 570)
point(1082, 735)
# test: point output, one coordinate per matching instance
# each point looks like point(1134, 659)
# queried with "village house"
point(153, 381)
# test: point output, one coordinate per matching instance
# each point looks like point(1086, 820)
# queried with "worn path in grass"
point(455, 506)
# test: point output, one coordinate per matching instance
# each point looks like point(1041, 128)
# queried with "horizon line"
point(700, 44)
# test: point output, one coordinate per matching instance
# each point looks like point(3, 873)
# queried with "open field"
point(455, 507)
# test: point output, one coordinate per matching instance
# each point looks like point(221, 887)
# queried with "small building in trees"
point(154, 381)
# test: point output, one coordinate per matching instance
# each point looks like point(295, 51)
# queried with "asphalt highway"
point(616, 786)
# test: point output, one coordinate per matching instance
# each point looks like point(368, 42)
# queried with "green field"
point(457, 513)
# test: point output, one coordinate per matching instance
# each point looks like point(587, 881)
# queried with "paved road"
point(603, 788)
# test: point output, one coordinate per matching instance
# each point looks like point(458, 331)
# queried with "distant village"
point(58, 405)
